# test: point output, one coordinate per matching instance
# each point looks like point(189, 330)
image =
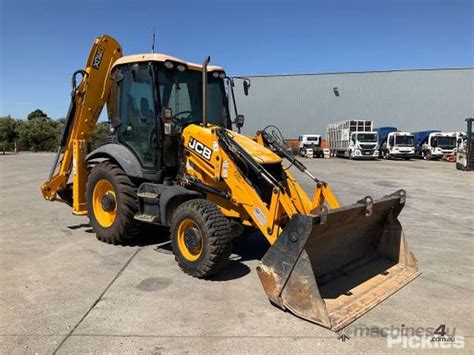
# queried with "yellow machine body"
point(326, 263)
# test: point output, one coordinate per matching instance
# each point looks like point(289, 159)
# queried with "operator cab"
point(150, 89)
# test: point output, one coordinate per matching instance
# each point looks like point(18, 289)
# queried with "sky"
point(42, 42)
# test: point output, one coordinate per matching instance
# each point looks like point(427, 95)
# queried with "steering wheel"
point(178, 120)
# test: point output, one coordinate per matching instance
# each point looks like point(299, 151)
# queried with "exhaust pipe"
point(204, 91)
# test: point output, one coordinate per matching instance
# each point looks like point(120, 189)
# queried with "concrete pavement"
point(63, 291)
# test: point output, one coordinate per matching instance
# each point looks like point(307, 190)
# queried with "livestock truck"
point(434, 144)
point(395, 144)
point(353, 139)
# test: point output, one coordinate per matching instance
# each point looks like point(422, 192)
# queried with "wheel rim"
point(189, 240)
point(104, 203)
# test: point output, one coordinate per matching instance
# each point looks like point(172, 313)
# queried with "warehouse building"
point(410, 100)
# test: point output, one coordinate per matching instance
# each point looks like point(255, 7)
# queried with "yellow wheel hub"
point(104, 203)
point(189, 239)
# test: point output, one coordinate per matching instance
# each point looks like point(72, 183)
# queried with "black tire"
point(427, 155)
point(351, 157)
point(214, 233)
point(124, 228)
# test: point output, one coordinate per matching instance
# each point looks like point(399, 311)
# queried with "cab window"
point(137, 113)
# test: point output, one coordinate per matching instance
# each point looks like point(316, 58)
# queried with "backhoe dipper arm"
point(87, 101)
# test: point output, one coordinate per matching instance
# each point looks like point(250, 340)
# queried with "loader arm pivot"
point(87, 101)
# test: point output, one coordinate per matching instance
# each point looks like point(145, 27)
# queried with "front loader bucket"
point(333, 267)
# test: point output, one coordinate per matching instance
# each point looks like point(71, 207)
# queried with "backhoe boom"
point(87, 101)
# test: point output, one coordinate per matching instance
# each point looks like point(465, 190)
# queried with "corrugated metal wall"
point(411, 100)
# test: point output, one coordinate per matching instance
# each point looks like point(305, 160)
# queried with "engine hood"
point(261, 154)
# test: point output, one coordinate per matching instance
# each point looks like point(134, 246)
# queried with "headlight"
point(181, 67)
point(376, 152)
point(217, 74)
point(169, 65)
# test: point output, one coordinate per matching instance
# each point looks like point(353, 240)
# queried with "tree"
point(39, 134)
point(37, 114)
point(8, 132)
point(99, 135)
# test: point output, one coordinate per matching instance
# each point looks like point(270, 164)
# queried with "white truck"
point(309, 146)
point(353, 139)
point(395, 144)
point(434, 144)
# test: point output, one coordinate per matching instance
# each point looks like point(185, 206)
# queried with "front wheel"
point(201, 238)
point(112, 204)
point(427, 155)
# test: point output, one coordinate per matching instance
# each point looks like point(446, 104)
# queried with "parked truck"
point(353, 139)
point(309, 146)
point(395, 144)
point(434, 144)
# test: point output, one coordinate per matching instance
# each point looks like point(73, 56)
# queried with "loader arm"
point(87, 101)
point(328, 266)
point(224, 173)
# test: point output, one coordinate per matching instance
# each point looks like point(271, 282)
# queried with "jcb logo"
point(200, 148)
point(98, 57)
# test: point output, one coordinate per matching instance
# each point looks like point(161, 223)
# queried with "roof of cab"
point(158, 57)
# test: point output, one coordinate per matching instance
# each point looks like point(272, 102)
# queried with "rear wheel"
point(112, 204)
point(201, 238)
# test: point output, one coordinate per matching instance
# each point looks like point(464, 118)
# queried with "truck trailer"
point(395, 144)
point(353, 139)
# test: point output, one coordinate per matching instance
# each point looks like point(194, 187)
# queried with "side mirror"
point(459, 140)
point(246, 87)
point(239, 121)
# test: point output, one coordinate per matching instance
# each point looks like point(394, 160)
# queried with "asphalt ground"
point(64, 291)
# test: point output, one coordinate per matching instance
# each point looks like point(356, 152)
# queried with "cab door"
point(138, 114)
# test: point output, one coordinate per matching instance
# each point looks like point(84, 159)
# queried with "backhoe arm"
point(87, 101)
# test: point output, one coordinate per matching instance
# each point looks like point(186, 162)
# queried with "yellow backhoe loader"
point(172, 159)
